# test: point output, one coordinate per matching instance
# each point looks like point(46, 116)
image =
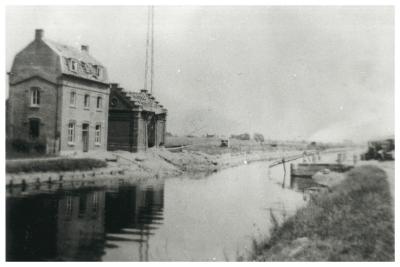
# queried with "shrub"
point(54, 165)
point(21, 145)
point(26, 146)
point(39, 147)
point(258, 137)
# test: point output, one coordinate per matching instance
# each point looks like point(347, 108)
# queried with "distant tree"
point(258, 137)
point(244, 136)
point(318, 146)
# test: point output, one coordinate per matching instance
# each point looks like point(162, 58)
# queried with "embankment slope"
point(354, 222)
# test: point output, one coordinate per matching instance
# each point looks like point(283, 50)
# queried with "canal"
point(200, 218)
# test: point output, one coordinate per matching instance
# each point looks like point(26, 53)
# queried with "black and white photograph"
point(199, 133)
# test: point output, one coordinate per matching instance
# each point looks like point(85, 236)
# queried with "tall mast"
point(152, 50)
point(149, 64)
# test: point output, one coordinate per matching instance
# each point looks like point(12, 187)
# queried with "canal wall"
point(153, 163)
point(159, 163)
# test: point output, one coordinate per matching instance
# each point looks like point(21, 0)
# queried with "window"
point(35, 97)
point(86, 67)
point(72, 99)
point(71, 132)
point(99, 102)
point(74, 65)
point(87, 101)
point(97, 70)
point(34, 125)
point(97, 134)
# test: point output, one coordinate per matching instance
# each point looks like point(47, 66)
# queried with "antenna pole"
point(146, 66)
point(152, 50)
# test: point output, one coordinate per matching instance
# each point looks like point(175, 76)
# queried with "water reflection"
point(212, 217)
point(78, 225)
point(132, 214)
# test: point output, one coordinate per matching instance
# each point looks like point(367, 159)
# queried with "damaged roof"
point(143, 99)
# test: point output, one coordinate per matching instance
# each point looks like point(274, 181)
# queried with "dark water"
point(208, 218)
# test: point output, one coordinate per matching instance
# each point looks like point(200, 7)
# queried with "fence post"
point(291, 172)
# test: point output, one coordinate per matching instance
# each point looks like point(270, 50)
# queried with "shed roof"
point(142, 99)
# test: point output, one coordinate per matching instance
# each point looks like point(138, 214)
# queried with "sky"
point(303, 73)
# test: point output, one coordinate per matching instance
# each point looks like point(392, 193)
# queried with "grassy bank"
point(212, 145)
point(354, 222)
point(54, 165)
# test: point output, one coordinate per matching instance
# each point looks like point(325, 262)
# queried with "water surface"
point(200, 218)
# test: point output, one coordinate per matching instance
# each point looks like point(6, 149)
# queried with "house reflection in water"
point(80, 225)
point(132, 214)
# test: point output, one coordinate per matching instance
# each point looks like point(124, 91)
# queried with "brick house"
point(137, 121)
point(58, 95)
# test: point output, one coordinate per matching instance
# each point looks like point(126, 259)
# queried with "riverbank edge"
point(353, 222)
point(134, 173)
point(132, 170)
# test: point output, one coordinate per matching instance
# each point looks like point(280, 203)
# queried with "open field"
point(212, 145)
point(354, 222)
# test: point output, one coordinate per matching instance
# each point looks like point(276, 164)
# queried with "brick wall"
point(36, 59)
point(20, 110)
point(79, 114)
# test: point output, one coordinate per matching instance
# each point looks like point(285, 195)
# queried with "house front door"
point(85, 137)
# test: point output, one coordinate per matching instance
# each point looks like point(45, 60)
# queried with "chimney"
point(39, 34)
point(85, 48)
